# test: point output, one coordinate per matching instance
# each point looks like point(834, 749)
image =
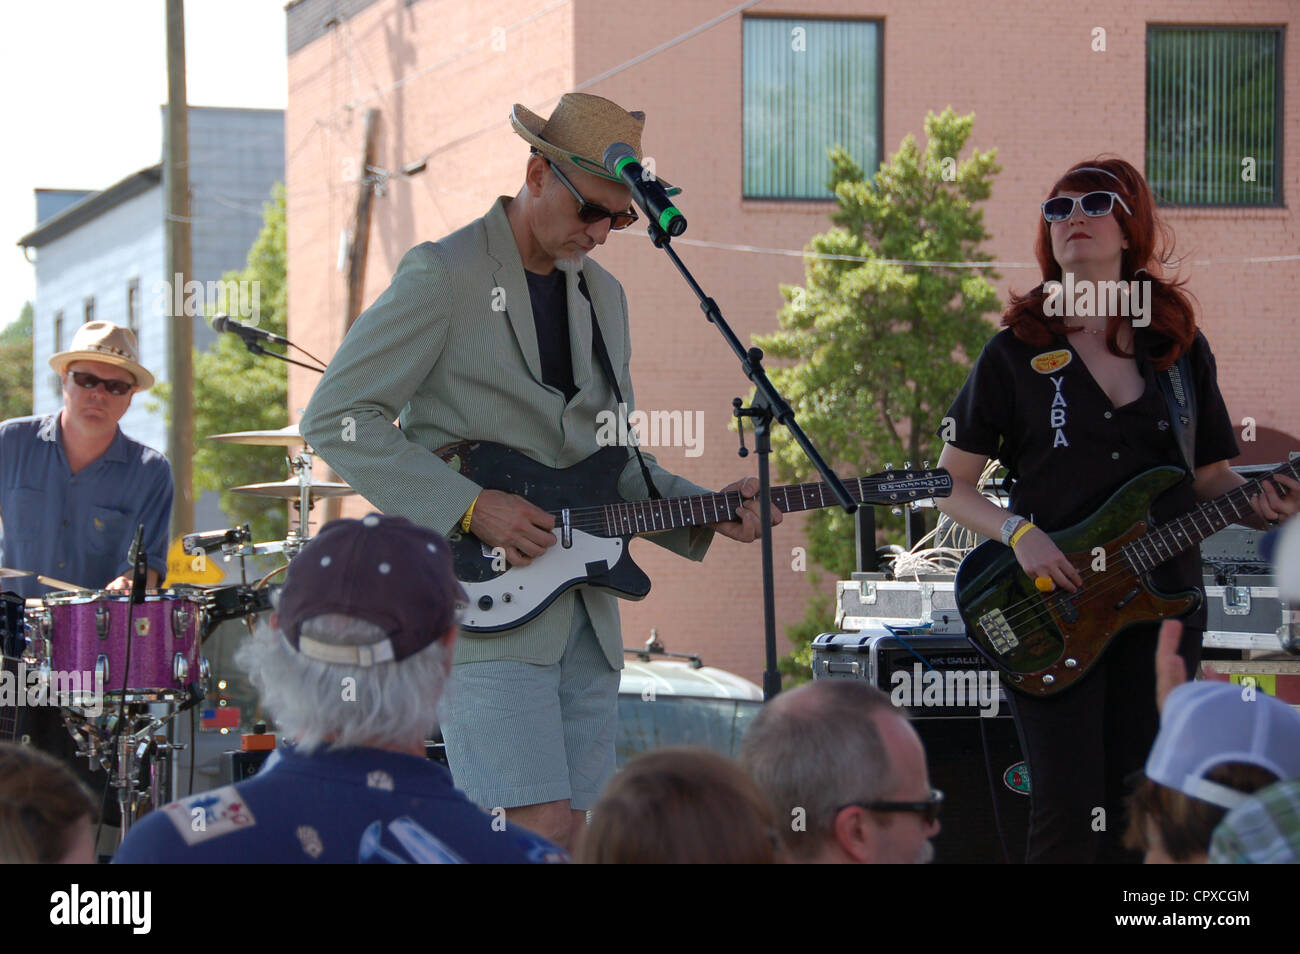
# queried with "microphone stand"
point(768, 404)
point(255, 348)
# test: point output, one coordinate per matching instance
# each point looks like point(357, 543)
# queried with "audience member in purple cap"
point(352, 667)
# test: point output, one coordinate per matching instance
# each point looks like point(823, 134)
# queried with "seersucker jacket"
point(450, 350)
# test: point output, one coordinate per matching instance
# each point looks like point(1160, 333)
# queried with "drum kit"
point(120, 671)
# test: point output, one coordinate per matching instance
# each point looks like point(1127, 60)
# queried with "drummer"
point(73, 487)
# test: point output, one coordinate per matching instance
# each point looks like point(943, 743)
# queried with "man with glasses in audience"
point(490, 334)
point(846, 775)
point(73, 489)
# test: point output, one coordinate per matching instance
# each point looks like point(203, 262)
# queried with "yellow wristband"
point(1015, 537)
point(469, 515)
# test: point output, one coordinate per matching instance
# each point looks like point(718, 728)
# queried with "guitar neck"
point(652, 516)
point(1169, 539)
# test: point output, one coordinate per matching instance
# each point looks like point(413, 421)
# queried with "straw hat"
point(579, 131)
point(106, 342)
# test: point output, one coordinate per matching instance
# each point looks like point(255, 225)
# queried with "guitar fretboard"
point(1168, 540)
point(652, 516)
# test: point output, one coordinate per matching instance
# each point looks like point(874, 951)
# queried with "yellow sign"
point(1050, 361)
point(185, 567)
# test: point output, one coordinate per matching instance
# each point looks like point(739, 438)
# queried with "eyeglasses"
point(929, 809)
point(1061, 207)
point(590, 212)
point(88, 381)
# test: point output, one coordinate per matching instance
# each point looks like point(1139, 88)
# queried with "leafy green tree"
point(16, 366)
point(878, 350)
point(238, 391)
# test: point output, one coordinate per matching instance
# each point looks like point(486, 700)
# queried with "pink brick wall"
point(1040, 95)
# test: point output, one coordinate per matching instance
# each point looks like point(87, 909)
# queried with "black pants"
point(1084, 744)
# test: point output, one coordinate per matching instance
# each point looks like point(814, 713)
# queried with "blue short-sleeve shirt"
point(78, 527)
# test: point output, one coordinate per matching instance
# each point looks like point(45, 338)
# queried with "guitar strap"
point(1179, 388)
point(602, 354)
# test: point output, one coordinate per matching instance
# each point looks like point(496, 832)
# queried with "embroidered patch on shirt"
point(310, 840)
point(1050, 361)
point(208, 815)
point(378, 779)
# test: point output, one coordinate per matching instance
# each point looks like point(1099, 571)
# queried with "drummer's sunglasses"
point(590, 212)
point(89, 382)
point(1061, 207)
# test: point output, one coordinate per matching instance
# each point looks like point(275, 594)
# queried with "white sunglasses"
point(1094, 204)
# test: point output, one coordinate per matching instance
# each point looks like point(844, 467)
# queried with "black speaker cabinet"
point(985, 807)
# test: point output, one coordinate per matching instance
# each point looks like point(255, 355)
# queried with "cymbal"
point(290, 490)
point(284, 437)
point(6, 573)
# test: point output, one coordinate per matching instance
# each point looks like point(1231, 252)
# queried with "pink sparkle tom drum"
point(88, 632)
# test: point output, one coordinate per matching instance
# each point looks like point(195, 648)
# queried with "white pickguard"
point(519, 591)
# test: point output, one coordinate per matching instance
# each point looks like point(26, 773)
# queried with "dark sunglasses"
point(88, 381)
point(1061, 207)
point(590, 212)
point(928, 809)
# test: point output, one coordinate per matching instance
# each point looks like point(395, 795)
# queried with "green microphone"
point(621, 162)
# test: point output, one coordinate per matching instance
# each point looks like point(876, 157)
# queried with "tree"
point(16, 366)
point(238, 391)
point(878, 350)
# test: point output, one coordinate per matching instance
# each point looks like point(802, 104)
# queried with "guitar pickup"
point(566, 531)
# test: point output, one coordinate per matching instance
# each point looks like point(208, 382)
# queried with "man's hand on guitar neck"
point(512, 523)
point(748, 523)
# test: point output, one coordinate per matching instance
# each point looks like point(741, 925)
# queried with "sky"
point(84, 82)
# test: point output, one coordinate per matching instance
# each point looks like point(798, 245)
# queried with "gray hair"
point(817, 749)
point(392, 704)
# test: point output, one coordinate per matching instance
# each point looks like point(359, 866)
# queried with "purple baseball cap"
point(381, 569)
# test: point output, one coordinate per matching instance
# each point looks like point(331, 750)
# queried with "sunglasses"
point(928, 809)
point(88, 381)
point(590, 212)
point(1061, 207)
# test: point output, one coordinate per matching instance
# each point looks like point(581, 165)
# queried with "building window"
point(89, 309)
point(808, 85)
point(58, 331)
point(133, 307)
point(1214, 115)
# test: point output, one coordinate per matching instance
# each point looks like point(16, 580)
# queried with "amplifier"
point(932, 676)
point(869, 597)
point(976, 761)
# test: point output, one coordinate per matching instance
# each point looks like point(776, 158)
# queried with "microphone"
point(139, 557)
point(620, 161)
point(224, 323)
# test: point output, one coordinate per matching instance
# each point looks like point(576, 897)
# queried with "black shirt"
point(549, 297)
point(1068, 448)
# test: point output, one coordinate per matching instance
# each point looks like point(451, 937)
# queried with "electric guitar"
point(593, 525)
point(1046, 642)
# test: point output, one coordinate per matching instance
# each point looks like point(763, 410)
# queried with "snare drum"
point(87, 633)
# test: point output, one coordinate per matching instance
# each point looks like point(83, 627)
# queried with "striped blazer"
point(450, 350)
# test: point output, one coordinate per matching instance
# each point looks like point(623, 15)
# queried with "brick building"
point(1049, 84)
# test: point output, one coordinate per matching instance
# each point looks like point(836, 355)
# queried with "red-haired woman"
point(1068, 399)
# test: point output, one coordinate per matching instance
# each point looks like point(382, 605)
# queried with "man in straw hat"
point(73, 487)
point(486, 335)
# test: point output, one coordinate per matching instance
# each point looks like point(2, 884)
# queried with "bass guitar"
point(1046, 642)
point(593, 525)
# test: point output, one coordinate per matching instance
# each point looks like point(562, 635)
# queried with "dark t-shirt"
point(1067, 448)
point(549, 297)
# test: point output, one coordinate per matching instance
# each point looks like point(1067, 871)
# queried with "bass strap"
point(1179, 389)
point(602, 354)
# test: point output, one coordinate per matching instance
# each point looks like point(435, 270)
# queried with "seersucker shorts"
point(523, 734)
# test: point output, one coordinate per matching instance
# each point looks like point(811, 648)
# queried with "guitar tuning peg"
point(889, 467)
point(907, 465)
point(925, 465)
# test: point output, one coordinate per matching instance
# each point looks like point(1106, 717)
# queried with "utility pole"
point(180, 329)
point(358, 251)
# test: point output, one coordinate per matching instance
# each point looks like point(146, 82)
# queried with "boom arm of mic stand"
point(768, 404)
point(255, 348)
